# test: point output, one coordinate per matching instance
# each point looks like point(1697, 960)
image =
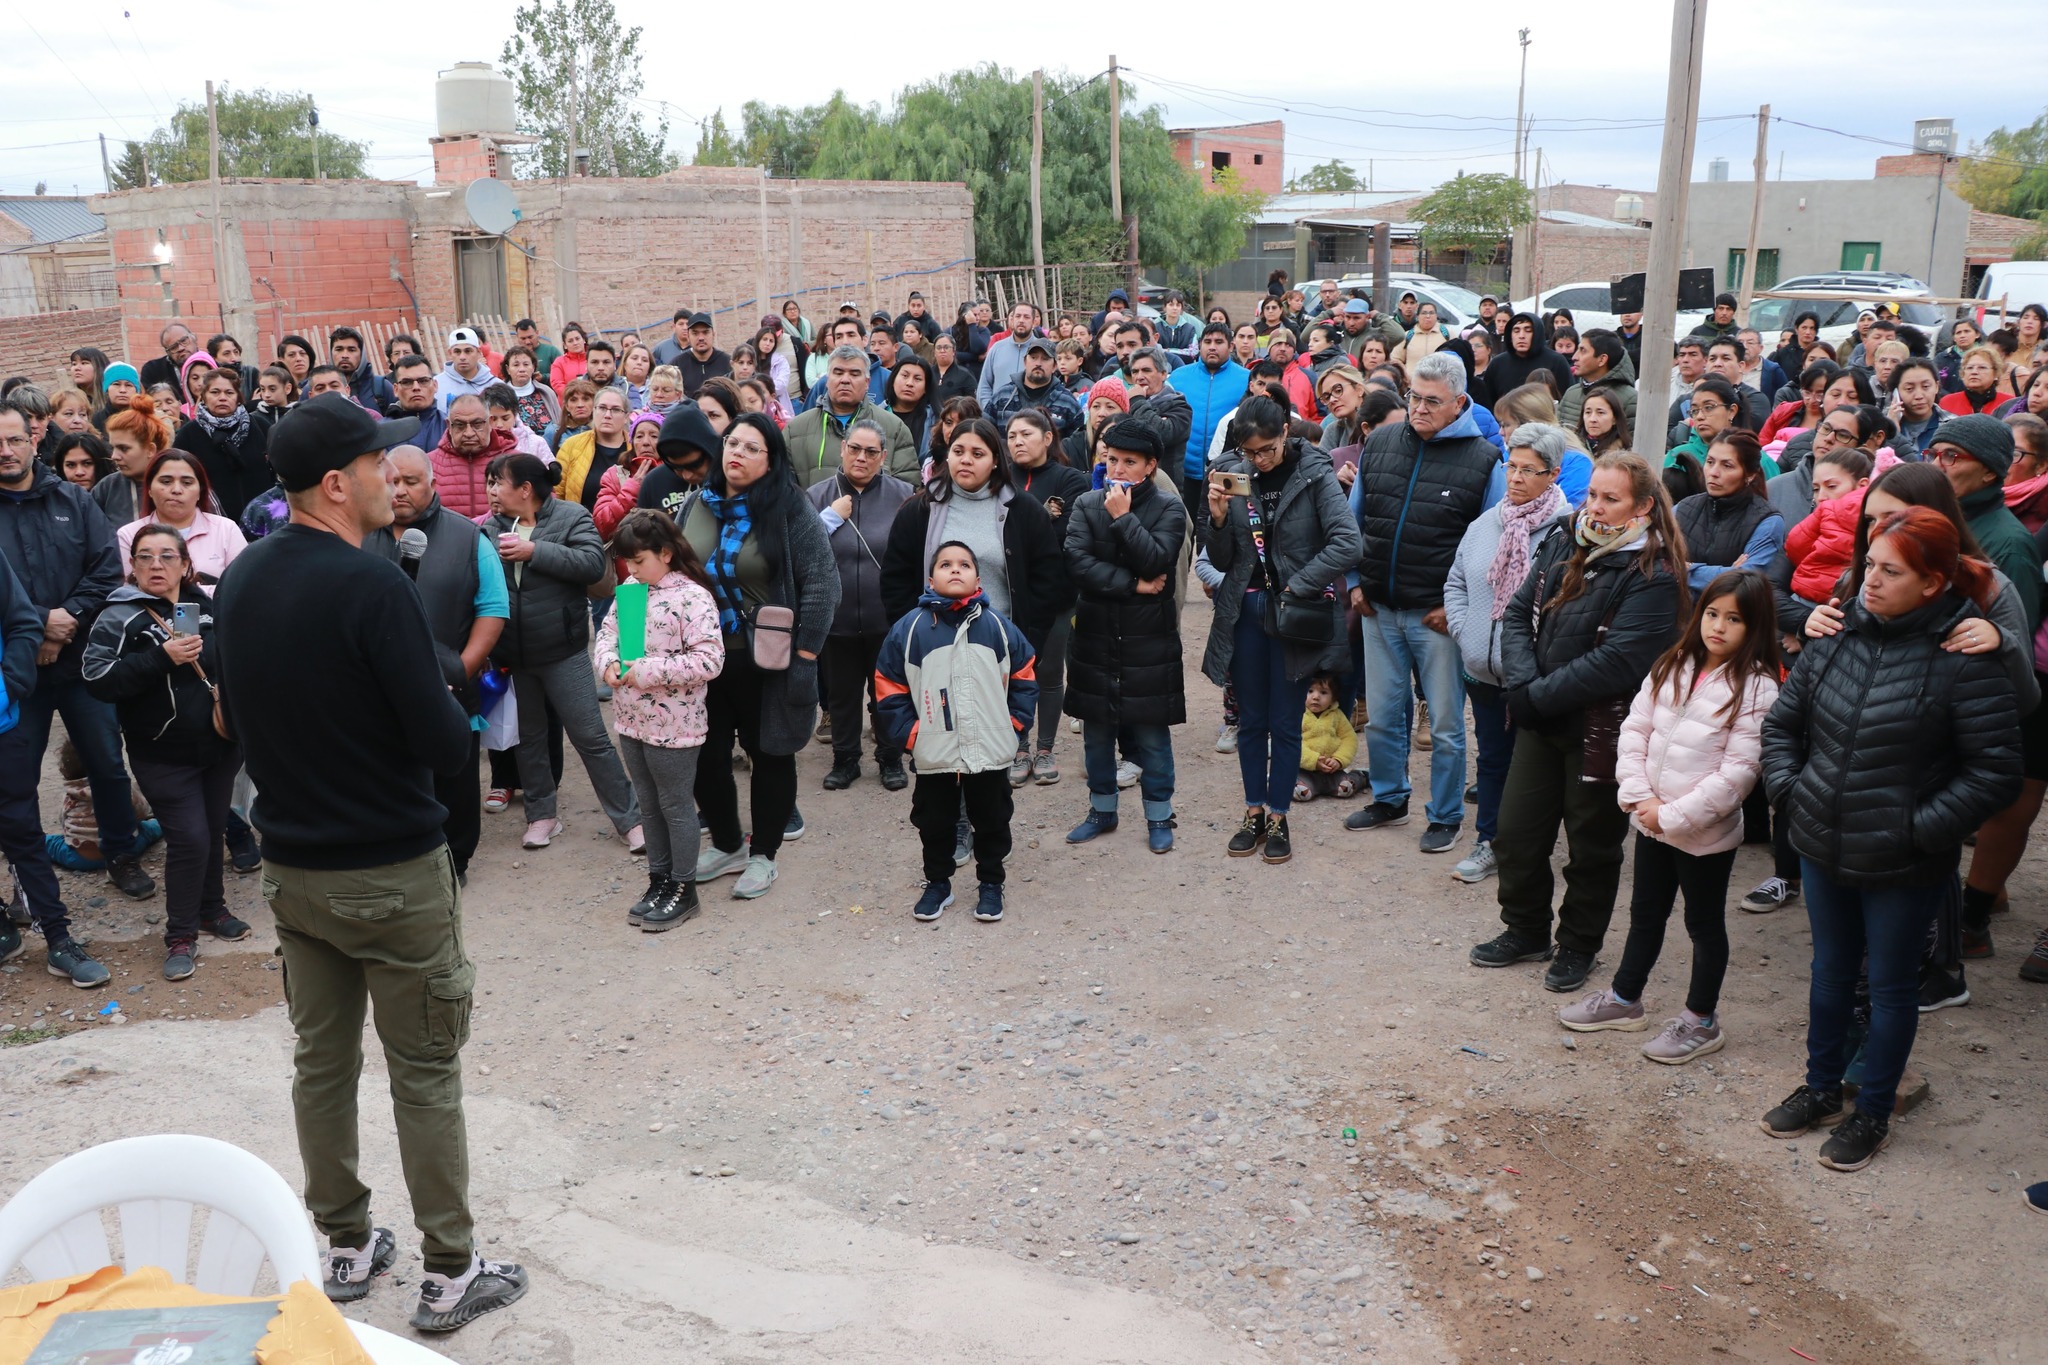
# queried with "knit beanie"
point(1112, 388)
point(1982, 437)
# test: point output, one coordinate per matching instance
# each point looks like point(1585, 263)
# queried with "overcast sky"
point(1419, 98)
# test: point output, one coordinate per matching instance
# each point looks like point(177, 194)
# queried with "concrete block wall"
point(1567, 252)
point(39, 344)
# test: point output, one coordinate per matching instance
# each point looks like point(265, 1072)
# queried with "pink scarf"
point(1511, 557)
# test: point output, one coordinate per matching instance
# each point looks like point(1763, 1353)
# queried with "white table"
point(386, 1349)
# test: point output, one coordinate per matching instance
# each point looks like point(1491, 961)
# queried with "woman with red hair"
point(1886, 751)
point(137, 433)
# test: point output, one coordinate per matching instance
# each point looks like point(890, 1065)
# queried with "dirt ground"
point(1110, 1128)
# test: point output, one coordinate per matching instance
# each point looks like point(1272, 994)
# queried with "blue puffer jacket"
point(1212, 395)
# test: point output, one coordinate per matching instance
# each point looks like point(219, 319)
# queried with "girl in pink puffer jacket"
point(658, 705)
point(1690, 752)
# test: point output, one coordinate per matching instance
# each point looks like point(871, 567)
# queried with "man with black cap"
point(703, 360)
point(1037, 387)
point(330, 680)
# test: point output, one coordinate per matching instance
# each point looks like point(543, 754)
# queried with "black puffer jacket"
point(238, 471)
point(1717, 529)
point(1558, 662)
point(1413, 500)
point(1313, 543)
point(1124, 665)
point(1889, 749)
point(550, 592)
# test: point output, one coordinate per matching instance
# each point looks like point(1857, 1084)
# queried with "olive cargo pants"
point(392, 937)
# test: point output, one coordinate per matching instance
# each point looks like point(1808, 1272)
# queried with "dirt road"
point(1109, 1129)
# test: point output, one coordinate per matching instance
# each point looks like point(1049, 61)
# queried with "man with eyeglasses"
point(815, 434)
point(1419, 485)
point(858, 506)
point(57, 540)
point(412, 379)
point(464, 453)
point(169, 368)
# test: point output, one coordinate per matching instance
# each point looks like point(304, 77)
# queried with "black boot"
point(657, 891)
point(845, 772)
point(677, 907)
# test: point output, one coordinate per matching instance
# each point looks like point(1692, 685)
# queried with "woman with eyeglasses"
point(151, 654)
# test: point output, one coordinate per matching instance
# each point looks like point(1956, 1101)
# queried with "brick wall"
point(1914, 163)
point(1256, 152)
point(39, 344)
point(1565, 253)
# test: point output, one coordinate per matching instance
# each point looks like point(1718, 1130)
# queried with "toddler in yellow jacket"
point(1328, 746)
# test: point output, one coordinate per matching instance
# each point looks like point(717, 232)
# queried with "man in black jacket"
point(169, 368)
point(1419, 485)
point(1037, 387)
point(687, 447)
point(703, 360)
point(21, 774)
point(461, 583)
point(331, 683)
point(62, 547)
point(365, 385)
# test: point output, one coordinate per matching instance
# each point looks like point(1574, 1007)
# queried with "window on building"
point(1862, 255)
point(1766, 267)
point(1326, 248)
point(480, 277)
point(1258, 158)
point(1219, 161)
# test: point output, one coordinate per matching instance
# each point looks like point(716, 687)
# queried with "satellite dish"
point(492, 206)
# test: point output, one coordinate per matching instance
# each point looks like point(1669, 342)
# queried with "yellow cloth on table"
point(308, 1329)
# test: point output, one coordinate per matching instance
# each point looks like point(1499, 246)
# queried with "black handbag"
point(1307, 621)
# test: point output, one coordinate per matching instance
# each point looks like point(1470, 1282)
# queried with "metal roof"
point(50, 218)
point(1568, 218)
point(1290, 208)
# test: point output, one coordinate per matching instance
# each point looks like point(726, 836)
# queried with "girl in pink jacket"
point(658, 705)
point(1690, 751)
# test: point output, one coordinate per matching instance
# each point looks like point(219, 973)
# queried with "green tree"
point(974, 126)
point(716, 145)
point(565, 53)
point(1330, 176)
point(264, 135)
point(132, 170)
point(1473, 212)
point(2008, 171)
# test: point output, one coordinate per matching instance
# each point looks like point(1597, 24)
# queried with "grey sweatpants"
point(665, 780)
point(571, 688)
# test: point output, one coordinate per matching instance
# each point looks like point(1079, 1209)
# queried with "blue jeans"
point(1148, 746)
point(1397, 646)
point(1269, 711)
point(1493, 735)
point(96, 731)
point(1889, 924)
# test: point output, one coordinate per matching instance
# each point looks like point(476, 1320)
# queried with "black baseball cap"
point(700, 319)
point(330, 432)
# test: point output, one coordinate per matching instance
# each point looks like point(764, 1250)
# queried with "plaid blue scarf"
point(734, 524)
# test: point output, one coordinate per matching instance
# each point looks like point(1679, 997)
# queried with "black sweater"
point(331, 684)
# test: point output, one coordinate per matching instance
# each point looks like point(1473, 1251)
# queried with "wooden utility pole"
point(1667, 231)
point(106, 167)
point(220, 277)
point(1037, 171)
point(1521, 90)
point(1116, 142)
point(1756, 213)
point(575, 90)
point(762, 302)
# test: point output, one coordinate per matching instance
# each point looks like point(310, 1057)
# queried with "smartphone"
point(1237, 485)
point(185, 618)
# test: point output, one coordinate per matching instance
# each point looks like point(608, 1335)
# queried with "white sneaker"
point(1074, 725)
point(1128, 773)
point(711, 864)
point(636, 840)
point(1477, 865)
point(540, 833)
point(755, 881)
point(1226, 739)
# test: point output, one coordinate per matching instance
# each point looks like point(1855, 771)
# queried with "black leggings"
point(1662, 873)
point(732, 703)
point(191, 803)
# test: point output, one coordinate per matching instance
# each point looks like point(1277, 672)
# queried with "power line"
point(67, 67)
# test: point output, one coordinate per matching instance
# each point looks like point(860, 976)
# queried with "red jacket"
point(617, 494)
point(1301, 390)
point(459, 479)
point(1821, 546)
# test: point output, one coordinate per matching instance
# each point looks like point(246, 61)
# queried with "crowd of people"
point(1804, 610)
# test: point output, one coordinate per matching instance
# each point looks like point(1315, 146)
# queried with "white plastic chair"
point(52, 1227)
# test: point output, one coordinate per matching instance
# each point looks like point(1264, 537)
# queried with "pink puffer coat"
point(1678, 748)
point(664, 704)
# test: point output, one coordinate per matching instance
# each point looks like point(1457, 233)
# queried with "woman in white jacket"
point(1690, 751)
point(1493, 559)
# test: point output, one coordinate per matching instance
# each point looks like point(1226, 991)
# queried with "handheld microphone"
point(412, 548)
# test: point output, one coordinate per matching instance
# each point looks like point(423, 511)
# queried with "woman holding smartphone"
point(151, 654)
